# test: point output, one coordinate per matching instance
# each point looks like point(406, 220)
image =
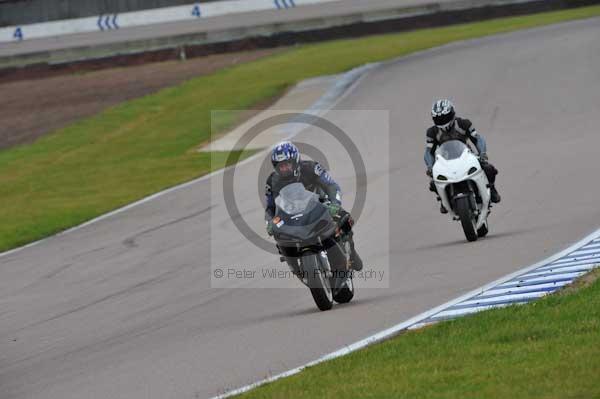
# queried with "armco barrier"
point(22, 12)
point(199, 43)
point(148, 17)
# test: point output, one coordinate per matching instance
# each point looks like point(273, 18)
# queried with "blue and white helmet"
point(443, 114)
point(285, 158)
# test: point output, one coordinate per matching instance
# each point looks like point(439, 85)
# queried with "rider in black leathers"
point(289, 169)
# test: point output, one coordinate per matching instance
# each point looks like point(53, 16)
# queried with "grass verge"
point(546, 349)
point(146, 145)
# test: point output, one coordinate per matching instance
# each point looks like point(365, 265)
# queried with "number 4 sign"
point(18, 35)
point(196, 11)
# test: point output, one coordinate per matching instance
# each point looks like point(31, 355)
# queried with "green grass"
point(145, 145)
point(546, 349)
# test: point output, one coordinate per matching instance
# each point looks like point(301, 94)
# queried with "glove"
point(483, 158)
point(429, 172)
point(333, 208)
point(270, 227)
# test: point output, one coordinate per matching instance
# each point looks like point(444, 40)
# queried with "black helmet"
point(443, 115)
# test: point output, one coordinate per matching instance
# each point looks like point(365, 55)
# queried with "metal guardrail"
point(277, 33)
point(114, 20)
point(21, 12)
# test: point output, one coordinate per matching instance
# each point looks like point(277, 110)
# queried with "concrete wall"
point(21, 12)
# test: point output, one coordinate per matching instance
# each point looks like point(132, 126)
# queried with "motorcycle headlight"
point(442, 177)
point(472, 170)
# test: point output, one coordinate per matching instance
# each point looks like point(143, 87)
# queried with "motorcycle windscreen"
point(294, 199)
point(452, 149)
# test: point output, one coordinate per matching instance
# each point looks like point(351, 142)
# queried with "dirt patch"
point(584, 281)
point(30, 109)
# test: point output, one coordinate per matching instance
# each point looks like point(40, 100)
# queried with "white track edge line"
point(394, 330)
point(346, 78)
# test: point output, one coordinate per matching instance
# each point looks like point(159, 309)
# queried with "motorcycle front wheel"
point(318, 282)
point(466, 218)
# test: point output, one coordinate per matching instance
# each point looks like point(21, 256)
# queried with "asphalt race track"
point(242, 20)
point(122, 308)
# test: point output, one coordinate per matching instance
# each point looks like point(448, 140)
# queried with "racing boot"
point(346, 222)
point(355, 260)
point(432, 187)
point(494, 196)
point(442, 207)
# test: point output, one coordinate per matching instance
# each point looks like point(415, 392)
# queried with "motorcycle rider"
point(289, 168)
point(447, 126)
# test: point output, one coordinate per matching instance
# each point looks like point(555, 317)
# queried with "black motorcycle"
point(313, 245)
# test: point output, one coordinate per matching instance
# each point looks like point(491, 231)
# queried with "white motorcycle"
point(463, 187)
